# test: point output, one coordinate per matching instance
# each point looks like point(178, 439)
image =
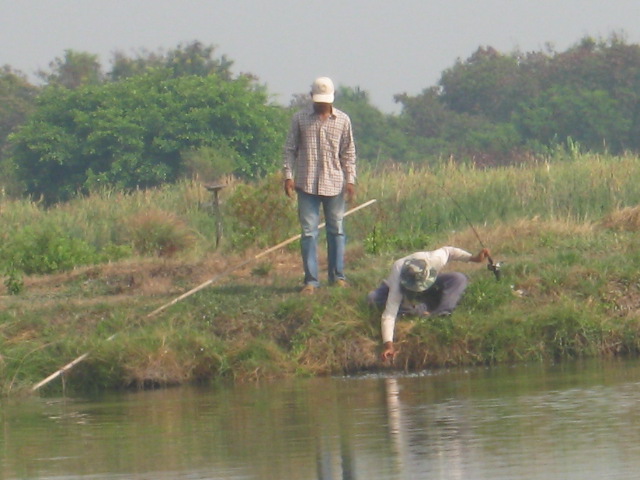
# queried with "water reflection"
point(417, 439)
point(558, 422)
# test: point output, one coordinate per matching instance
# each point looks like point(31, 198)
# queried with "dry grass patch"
point(520, 236)
point(623, 298)
point(159, 233)
point(159, 368)
point(626, 219)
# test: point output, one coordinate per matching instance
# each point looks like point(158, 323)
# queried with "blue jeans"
point(309, 215)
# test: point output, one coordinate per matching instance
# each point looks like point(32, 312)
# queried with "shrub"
point(14, 282)
point(45, 249)
point(156, 232)
point(261, 213)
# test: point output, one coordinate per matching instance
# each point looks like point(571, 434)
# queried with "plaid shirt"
point(320, 154)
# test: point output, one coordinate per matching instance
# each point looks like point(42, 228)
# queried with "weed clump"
point(626, 219)
point(158, 233)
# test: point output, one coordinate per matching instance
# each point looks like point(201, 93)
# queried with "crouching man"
point(415, 287)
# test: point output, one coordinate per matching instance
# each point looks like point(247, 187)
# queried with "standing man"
point(415, 287)
point(320, 166)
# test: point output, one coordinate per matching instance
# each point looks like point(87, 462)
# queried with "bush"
point(261, 213)
point(159, 233)
point(45, 249)
point(14, 282)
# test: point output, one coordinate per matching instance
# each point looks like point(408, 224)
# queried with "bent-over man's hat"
point(416, 275)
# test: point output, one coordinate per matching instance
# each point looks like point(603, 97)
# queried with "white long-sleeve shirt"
point(436, 259)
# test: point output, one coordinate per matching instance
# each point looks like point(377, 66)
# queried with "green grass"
point(566, 230)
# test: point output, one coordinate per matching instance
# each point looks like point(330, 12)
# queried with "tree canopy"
point(132, 133)
point(156, 116)
point(496, 104)
point(16, 101)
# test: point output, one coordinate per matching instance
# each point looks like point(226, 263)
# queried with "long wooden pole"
point(212, 280)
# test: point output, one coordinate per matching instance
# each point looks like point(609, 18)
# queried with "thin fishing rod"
point(494, 267)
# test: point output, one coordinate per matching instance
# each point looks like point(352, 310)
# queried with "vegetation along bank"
point(77, 273)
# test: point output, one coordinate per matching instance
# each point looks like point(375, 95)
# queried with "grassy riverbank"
point(565, 229)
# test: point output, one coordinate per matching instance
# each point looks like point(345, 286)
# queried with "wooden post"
point(215, 188)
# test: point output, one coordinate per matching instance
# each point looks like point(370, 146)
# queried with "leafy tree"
point(191, 59)
point(497, 105)
point(378, 136)
point(17, 98)
point(436, 130)
point(590, 117)
point(75, 69)
point(125, 67)
point(606, 77)
point(133, 133)
point(425, 115)
point(17, 101)
point(487, 84)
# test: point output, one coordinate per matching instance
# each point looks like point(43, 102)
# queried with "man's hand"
point(481, 256)
point(289, 187)
point(388, 352)
point(350, 192)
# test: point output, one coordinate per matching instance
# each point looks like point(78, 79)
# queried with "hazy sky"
point(383, 47)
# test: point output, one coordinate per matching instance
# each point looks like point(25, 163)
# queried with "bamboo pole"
point(68, 366)
point(212, 280)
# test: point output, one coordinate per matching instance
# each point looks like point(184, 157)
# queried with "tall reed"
point(413, 202)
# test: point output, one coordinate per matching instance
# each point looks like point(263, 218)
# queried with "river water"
point(577, 420)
